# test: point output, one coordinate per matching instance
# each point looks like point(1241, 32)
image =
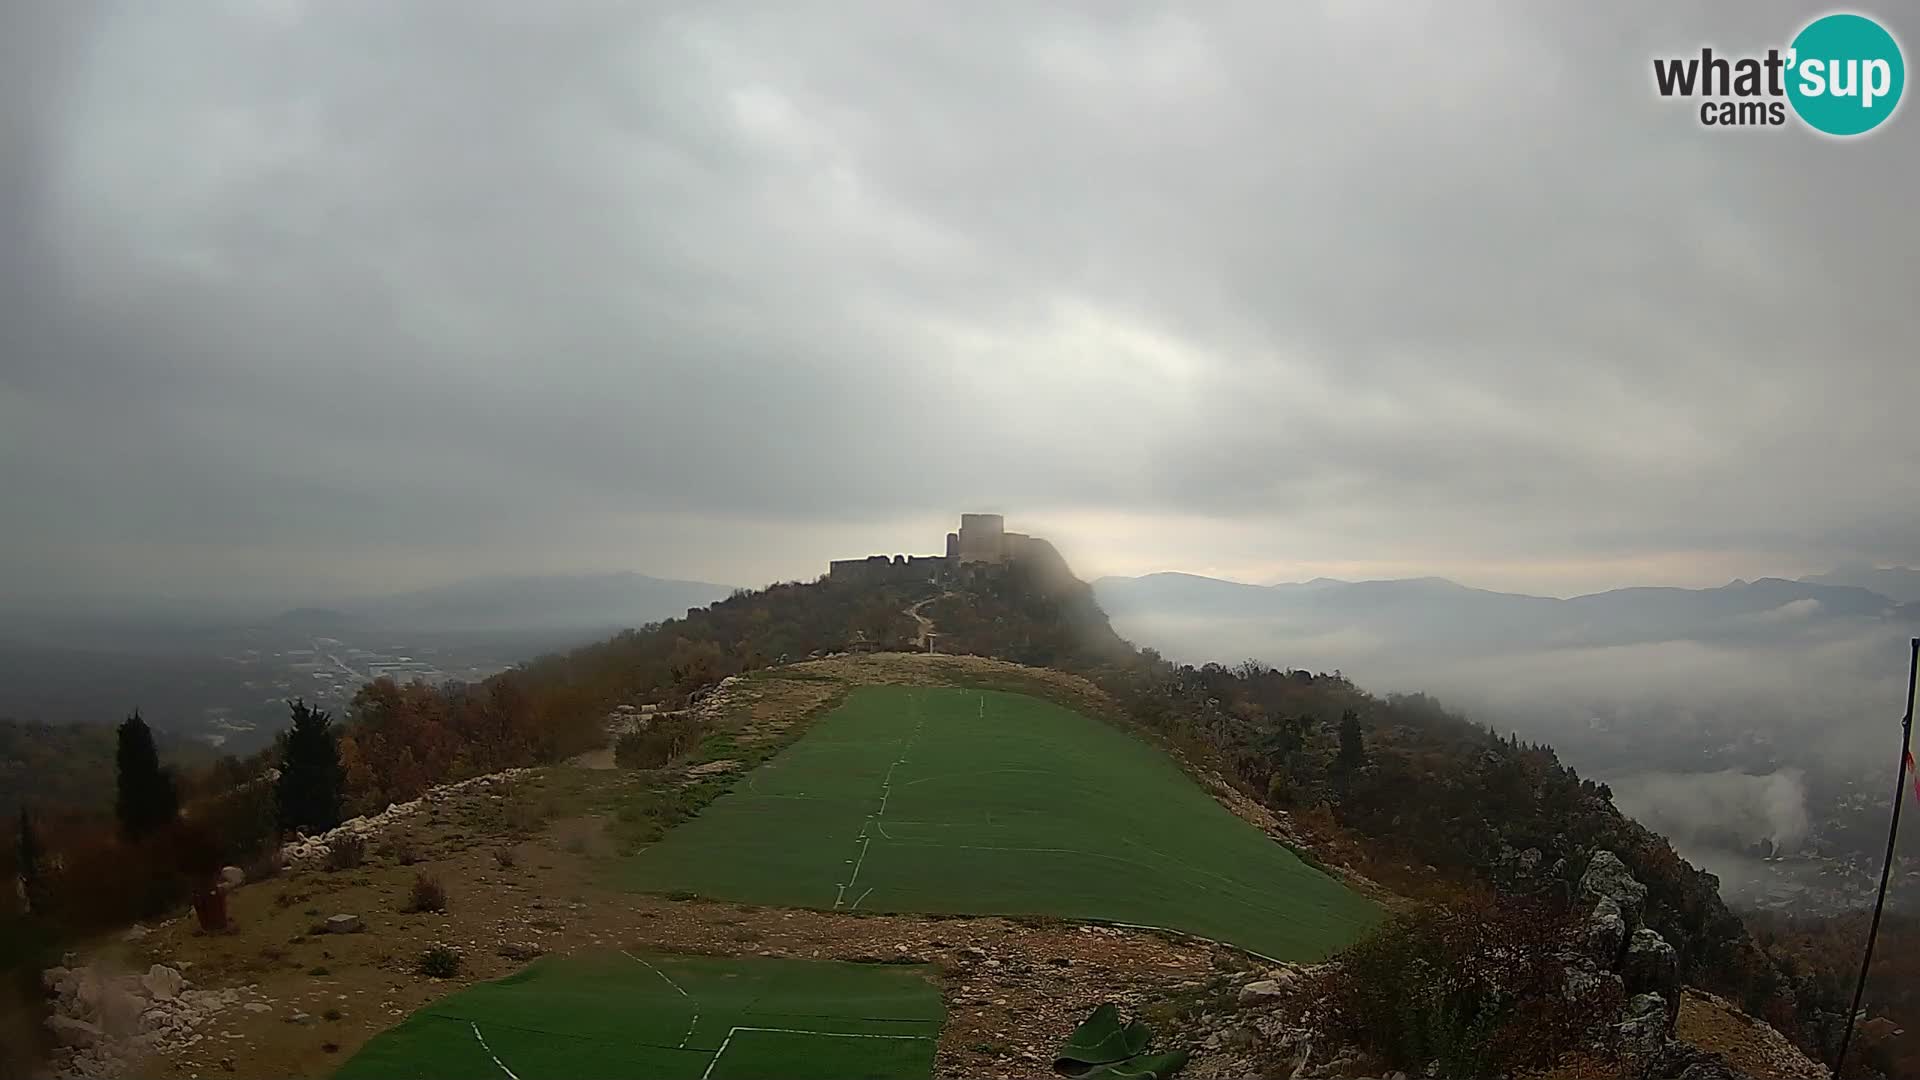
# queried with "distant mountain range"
point(555, 602)
point(1449, 618)
point(1901, 583)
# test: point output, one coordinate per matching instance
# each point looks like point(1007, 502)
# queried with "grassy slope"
point(615, 1014)
point(997, 803)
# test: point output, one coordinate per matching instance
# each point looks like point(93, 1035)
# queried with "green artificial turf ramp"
point(981, 802)
point(642, 1015)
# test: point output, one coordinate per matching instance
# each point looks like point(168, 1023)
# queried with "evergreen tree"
point(308, 797)
point(146, 799)
point(27, 855)
point(1353, 748)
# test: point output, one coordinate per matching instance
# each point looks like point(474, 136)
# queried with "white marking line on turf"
point(794, 1031)
point(863, 896)
point(496, 1058)
point(865, 843)
point(691, 1024)
point(886, 792)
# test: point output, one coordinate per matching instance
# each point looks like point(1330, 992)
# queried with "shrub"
point(439, 962)
point(1482, 990)
point(428, 894)
point(346, 852)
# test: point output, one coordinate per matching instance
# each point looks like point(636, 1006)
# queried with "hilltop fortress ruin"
point(981, 544)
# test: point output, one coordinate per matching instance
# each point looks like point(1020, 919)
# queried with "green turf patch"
point(982, 802)
point(643, 1015)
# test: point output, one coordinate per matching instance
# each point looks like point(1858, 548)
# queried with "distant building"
point(982, 539)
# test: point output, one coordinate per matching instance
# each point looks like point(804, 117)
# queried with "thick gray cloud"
point(308, 296)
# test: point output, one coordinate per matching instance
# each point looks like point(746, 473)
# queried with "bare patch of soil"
point(1715, 1024)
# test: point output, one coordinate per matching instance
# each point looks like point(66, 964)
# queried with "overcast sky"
point(300, 298)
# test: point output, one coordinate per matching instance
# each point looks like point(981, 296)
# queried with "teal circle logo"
point(1845, 74)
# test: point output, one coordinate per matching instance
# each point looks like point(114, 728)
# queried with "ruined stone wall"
point(886, 569)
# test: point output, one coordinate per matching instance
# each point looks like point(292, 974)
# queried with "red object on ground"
point(210, 907)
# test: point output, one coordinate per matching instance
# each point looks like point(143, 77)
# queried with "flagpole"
point(1886, 869)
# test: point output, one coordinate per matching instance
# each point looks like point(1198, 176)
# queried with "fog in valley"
point(1755, 725)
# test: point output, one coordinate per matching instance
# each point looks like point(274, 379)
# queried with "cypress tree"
point(308, 796)
point(145, 799)
point(1353, 748)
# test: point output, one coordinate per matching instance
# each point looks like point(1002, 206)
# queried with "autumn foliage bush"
point(102, 880)
point(346, 852)
point(1481, 990)
point(428, 894)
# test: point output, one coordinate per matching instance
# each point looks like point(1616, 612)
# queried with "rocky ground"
point(108, 1022)
point(284, 996)
point(1718, 1026)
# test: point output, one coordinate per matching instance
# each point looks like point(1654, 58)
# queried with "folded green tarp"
point(1103, 1048)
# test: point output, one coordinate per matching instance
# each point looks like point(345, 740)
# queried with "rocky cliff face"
point(1316, 1023)
point(1615, 945)
point(1618, 947)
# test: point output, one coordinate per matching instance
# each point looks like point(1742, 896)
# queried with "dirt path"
point(926, 624)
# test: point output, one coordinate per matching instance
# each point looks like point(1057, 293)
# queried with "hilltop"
point(1396, 797)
